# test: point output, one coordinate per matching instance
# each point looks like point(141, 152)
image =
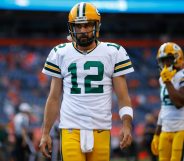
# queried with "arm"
point(24, 135)
point(159, 124)
point(155, 140)
point(176, 96)
point(121, 90)
point(50, 114)
point(158, 130)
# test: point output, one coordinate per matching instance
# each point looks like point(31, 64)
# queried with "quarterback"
point(84, 73)
point(168, 140)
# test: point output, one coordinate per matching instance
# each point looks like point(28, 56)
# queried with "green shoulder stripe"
point(123, 68)
point(123, 65)
point(122, 62)
point(52, 67)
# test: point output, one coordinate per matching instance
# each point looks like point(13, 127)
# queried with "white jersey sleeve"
point(123, 64)
point(179, 79)
point(51, 66)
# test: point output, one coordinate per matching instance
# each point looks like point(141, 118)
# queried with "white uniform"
point(21, 120)
point(87, 82)
point(171, 118)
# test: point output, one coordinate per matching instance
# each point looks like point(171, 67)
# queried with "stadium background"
point(30, 29)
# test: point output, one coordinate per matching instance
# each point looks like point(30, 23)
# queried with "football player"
point(168, 140)
point(84, 72)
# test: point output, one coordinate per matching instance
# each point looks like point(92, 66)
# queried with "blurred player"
point(83, 74)
point(23, 146)
point(149, 129)
point(168, 140)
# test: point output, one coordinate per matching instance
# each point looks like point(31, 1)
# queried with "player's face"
point(84, 32)
point(168, 61)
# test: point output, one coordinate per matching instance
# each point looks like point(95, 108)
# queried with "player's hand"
point(46, 145)
point(167, 74)
point(125, 136)
point(154, 145)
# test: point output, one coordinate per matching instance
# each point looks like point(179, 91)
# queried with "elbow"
point(179, 104)
point(178, 107)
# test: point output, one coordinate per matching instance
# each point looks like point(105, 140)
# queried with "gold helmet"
point(84, 12)
point(173, 51)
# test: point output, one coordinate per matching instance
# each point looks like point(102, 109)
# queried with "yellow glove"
point(167, 74)
point(154, 144)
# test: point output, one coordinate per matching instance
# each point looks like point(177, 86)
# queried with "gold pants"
point(71, 151)
point(171, 146)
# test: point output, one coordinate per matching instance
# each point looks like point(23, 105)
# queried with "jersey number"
point(87, 80)
point(165, 95)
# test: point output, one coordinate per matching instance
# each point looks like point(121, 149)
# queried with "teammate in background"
point(55, 135)
point(84, 72)
point(150, 124)
point(169, 136)
point(23, 144)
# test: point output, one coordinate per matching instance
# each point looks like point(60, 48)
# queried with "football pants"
point(171, 146)
point(71, 150)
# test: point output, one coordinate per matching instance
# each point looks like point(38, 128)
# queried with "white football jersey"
point(21, 120)
point(87, 82)
point(171, 118)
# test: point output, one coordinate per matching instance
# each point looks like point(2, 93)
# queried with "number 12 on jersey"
point(88, 79)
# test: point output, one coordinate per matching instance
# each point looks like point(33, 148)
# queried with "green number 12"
point(87, 80)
